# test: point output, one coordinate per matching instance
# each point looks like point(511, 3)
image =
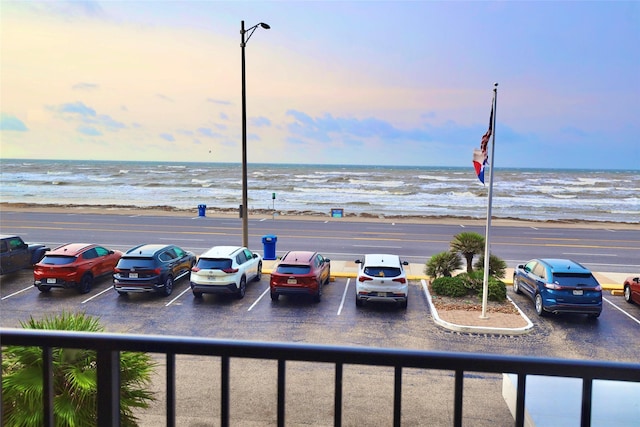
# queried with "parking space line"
point(259, 298)
point(176, 298)
point(344, 296)
point(624, 312)
point(97, 295)
point(16, 293)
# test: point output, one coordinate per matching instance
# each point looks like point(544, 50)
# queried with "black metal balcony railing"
point(108, 347)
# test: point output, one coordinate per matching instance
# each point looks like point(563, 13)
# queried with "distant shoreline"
point(304, 215)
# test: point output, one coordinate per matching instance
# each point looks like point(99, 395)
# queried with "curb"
point(476, 329)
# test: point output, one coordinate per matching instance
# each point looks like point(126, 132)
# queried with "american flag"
point(481, 156)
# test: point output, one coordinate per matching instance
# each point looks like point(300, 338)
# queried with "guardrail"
point(108, 346)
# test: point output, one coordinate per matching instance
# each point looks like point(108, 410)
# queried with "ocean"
point(378, 191)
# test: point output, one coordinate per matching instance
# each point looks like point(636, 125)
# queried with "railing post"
point(458, 398)
point(587, 398)
point(397, 396)
point(47, 386)
point(520, 394)
point(108, 388)
point(337, 401)
point(171, 389)
point(224, 392)
point(281, 391)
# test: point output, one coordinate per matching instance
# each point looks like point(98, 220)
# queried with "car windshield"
point(57, 259)
point(574, 279)
point(214, 263)
point(382, 271)
point(293, 269)
point(128, 263)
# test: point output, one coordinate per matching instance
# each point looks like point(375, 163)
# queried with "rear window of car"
point(293, 269)
point(57, 259)
point(128, 263)
point(382, 271)
point(213, 263)
point(575, 279)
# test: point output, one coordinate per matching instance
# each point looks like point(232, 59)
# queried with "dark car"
point(15, 254)
point(300, 272)
point(74, 265)
point(152, 268)
point(559, 286)
point(632, 289)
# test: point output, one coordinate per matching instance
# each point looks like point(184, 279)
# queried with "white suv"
point(381, 278)
point(225, 270)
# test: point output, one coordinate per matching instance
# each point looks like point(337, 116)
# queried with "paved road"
point(614, 336)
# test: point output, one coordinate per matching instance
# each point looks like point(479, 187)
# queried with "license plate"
point(133, 275)
point(382, 294)
point(578, 292)
point(292, 282)
point(51, 280)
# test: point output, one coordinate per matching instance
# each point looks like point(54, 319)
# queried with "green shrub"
point(443, 264)
point(474, 283)
point(449, 286)
point(497, 266)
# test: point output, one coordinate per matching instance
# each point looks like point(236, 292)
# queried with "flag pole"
point(487, 243)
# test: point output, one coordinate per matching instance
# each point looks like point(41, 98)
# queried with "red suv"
point(74, 265)
point(300, 272)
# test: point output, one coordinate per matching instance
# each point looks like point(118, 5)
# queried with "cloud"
point(260, 121)
point(207, 132)
point(76, 108)
point(89, 130)
point(167, 137)
point(8, 122)
point(84, 86)
point(164, 97)
point(218, 101)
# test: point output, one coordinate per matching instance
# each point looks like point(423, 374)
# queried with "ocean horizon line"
point(322, 165)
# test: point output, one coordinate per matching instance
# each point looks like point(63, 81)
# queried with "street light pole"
point(245, 192)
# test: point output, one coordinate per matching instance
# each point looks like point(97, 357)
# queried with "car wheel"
point(274, 296)
point(168, 286)
point(318, 296)
point(242, 288)
point(328, 279)
point(85, 284)
point(539, 306)
point(259, 272)
point(516, 285)
point(197, 294)
point(44, 288)
point(359, 302)
point(627, 294)
point(123, 293)
point(404, 303)
point(593, 315)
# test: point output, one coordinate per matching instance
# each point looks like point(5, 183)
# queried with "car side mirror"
point(327, 260)
point(255, 255)
point(405, 262)
point(358, 261)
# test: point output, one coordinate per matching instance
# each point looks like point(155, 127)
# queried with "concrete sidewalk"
point(415, 272)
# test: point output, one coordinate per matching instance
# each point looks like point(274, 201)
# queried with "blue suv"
point(559, 286)
point(152, 268)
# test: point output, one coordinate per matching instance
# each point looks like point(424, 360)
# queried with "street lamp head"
point(265, 26)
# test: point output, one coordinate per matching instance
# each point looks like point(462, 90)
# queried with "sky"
point(331, 82)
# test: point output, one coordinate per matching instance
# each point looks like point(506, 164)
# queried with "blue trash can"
point(202, 209)
point(269, 246)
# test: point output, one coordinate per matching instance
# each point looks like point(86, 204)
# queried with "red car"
point(74, 265)
point(300, 272)
point(632, 289)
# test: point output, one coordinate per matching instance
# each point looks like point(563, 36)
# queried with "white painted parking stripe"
point(578, 253)
point(176, 298)
point(344, 296)
point(97, 295)
point(259, 298)
point(623, 312)
point(374, 246)
point(16, 293)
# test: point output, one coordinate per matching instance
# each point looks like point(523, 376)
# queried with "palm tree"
point(74, 377)
point(468, 244)
point(443, 264)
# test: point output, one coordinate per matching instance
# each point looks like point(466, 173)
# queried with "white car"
point(225, 270)
point(381, 278)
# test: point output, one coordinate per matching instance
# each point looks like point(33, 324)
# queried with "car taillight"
point(230, 270)
point(554, 286)
point(117, 270)
point(364, 278)
point(195, 269)
point(400, 280)
point(598, 288)
point(157, 271)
